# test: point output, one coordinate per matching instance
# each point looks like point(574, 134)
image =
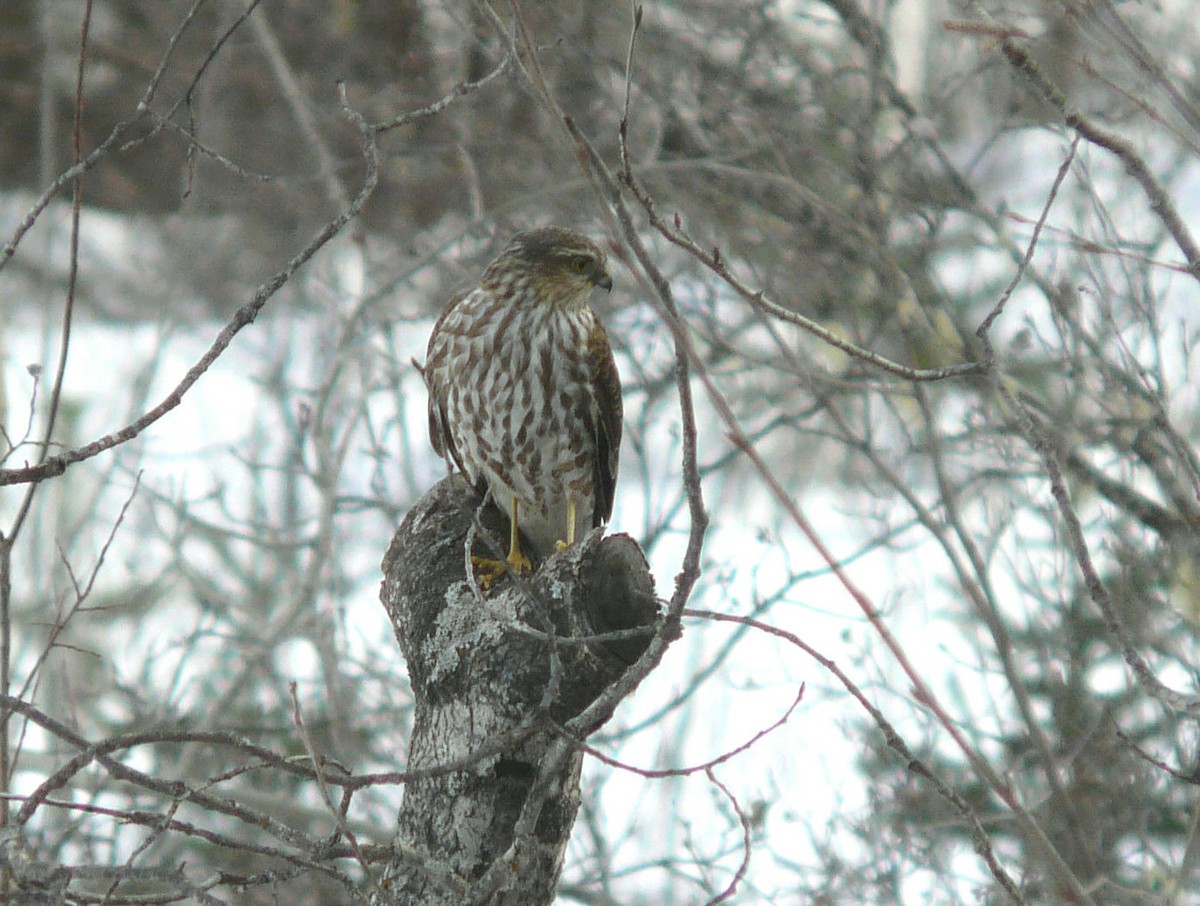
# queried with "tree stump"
point(495, 674)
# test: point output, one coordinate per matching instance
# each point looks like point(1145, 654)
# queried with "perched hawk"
point(524, 395)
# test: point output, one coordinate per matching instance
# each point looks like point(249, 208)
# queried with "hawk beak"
point(603, 280)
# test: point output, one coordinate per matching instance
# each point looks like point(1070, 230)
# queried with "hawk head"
point(552, 265)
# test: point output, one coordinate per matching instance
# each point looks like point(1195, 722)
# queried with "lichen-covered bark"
point(494, 676)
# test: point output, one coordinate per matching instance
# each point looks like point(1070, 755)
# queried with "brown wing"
point(606, 386)
point(440, 437)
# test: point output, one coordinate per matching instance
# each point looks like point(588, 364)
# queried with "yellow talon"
point(487, 571)
point(518, 562)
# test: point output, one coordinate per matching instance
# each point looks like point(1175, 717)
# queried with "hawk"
point(524, 396)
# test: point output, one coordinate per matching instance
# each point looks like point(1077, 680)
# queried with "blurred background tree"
point(933, 269)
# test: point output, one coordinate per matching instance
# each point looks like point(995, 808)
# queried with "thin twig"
point(462, 89)
point(728, 755)
point(1059, 178)
point(298, 103)
point(732, 886)
point(317, 764)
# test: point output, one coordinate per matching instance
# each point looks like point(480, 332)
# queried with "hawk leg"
point(563, 545)
point(488, 571)
point(516, 559)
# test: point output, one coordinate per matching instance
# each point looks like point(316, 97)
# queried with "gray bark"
point(488, 815)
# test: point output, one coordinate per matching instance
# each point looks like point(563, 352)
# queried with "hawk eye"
point(581, 264)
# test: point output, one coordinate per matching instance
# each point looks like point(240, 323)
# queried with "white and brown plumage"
point(524, 396)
